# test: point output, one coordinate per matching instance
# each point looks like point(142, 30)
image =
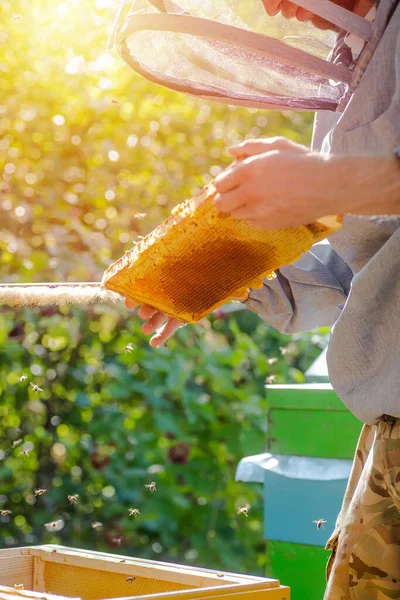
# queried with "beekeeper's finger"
point(154, 323)
point(166, 332)
point(247, 213)
point(247, 148)
point(231, 178)
point(146, 311)
point(130, 303)
point(261, 145)
point(230, 201)
point(272, 6)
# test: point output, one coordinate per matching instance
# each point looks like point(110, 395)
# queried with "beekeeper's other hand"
point(159, 322)
point(155, 321)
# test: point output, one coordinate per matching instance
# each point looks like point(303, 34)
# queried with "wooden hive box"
point(54, 572)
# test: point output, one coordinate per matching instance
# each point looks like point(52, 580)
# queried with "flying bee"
point(16, 443)
point(15, 17)
point(133, 512)
point(129, 348)
point(35, 387)
point(73, 498)
point(270, 379)
point(40, 492)
point(5, 513)
point(320, 523)
point(283, 350)
point(19, 586)
point(54, 525)
point(130, 579)
point(23, 378)
point(113, 101)
point(272, 361)
point(151, 486)
point(24, 453)
point(117, 540)
point(244, 510)
point(220, 575)
point(140, 216)
point(97, 525)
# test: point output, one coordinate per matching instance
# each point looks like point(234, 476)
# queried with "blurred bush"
point(111, 420)
point(85, 145)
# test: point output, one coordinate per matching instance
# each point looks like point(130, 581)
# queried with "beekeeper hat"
point(233, 52)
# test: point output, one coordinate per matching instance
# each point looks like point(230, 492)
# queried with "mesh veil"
point(232, 51)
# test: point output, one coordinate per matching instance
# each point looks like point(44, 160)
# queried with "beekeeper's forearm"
point(305, 295)
point(370, 184)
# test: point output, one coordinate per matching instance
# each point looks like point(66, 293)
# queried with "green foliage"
point(84, 146)
point(110, 421)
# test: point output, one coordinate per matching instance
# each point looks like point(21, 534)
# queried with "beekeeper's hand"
point(276, 185)
point(286, 187)
point(156, 321)
point(261, 145)
point(164, 325)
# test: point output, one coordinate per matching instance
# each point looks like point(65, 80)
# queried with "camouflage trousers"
point(365, 559)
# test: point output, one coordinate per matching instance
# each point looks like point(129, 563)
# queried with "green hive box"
point(309, 430)
point(311, 421)
point(303, 565)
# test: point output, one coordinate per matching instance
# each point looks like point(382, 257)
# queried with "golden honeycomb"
point(198, 259)
point(93, 584)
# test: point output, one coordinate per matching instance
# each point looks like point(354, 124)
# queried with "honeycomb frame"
point(199, 259)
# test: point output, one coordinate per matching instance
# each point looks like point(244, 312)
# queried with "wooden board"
point(16, 567)
point(7, 593)
point(88, 575)
point(101, 561)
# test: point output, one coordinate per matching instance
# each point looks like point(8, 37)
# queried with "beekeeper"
point(353, 168)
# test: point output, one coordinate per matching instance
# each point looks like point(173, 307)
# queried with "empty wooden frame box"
point(55, 572)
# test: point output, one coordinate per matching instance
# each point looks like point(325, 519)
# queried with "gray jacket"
point(353, 283)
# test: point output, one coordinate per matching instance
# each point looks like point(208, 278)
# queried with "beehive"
point(198, 259)
point(56, 572)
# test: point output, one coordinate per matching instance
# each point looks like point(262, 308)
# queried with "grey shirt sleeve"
point(306, 294)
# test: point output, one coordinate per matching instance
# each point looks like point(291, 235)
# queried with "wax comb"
point(199, 259)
